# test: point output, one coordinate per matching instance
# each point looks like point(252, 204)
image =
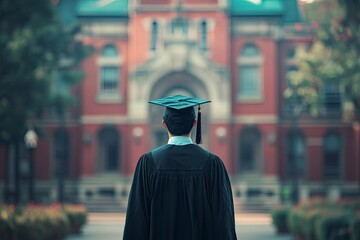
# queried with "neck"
point(184, 135)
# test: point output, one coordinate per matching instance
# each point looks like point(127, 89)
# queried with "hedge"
point(35, 222)
point(320, 219)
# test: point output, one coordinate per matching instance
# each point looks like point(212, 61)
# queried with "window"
point(296, 154)
point(332, 151)
point(154, 36)
point(204, 44)
point(109, 74)
point(109, 51)
point(109, 80)
point(250, 62)
point(332, 99)
point(179, 26)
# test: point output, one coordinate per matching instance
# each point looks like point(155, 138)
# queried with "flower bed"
point(319, 219)
point(77, 217)
point(35, 222)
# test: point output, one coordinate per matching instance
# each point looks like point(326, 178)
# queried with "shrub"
point(77, 216)
point(6, 221)
point(333, 225)
point(279, 217)
point(355, 227)
point(40, 223)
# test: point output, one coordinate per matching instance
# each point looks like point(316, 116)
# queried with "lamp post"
point(297, 107)
point(31, 140)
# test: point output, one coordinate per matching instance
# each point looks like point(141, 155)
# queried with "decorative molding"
point(104, 28)
point(258, 118)
point(110, 61)
point(103, 119)
point(312, 141)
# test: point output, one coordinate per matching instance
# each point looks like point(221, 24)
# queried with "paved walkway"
point(110, 227)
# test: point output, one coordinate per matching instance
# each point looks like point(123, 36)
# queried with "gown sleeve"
point(137, 222)
point(222, 203)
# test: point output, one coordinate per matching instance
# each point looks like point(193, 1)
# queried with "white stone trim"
point(313, 141)
point(110, 61)
point(109, 98)
point(103, 119)
point(258, 118)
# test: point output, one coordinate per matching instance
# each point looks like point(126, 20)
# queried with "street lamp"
point(31, 140)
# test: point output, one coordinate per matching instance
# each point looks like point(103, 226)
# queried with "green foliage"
point(35, 222)
point(32, 43)
point(355, 227)
point(332, 225)
point(279, 217)
point(333, 60)
point(320, 219)
point(76, 215)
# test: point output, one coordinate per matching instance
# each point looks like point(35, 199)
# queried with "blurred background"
point(76, 77)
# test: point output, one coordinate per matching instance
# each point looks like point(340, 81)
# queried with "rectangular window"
point(109, 80)
point(332, 99)
point(249, 81)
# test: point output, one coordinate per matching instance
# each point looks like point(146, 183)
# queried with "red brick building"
point(237, 53)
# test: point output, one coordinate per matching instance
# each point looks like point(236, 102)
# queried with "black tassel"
point(198, 127)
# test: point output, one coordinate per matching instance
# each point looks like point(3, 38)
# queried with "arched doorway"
point(172, 84)
point(108, 150)
point(296, 154)
point(332, 156)
point(250, 151)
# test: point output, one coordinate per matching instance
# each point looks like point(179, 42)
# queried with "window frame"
point(115, 61)
point(250, 61)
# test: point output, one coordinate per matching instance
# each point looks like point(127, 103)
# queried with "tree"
point(32, 43)
point(332, 60)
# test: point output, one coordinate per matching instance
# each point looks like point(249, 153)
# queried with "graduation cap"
point(180, 107)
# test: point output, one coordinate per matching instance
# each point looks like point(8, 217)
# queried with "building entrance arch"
point(171, 84)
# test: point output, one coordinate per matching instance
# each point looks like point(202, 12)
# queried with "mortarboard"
point(180, 106)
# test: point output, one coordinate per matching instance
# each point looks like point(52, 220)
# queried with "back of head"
point(179, 121)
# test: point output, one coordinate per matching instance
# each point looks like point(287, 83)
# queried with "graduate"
point(180, 191)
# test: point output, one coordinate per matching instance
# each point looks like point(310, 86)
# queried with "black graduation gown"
point(180, 192)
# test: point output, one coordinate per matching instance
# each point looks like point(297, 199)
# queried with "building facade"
point(236, 53)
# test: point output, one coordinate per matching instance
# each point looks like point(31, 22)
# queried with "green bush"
point(321, 219)
point(35, 222)
point(76, 215)
point(6, 221)
point(333, 225)
point(279, 217)
point(41, 223)
point(355, 227)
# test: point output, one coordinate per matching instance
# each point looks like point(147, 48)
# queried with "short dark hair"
point(179, 122)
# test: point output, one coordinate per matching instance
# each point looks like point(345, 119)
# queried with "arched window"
point(109, 62)
point(204, 43)
point(154, 36)
point(332, 156)
point(109, 51)
point(108, 149)
point(250, 154)
point(250, 78)
point(61, 153)
point(296, 154)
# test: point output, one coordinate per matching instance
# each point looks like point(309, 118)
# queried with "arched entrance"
point(108, 150)
point(250, 151)
point(171, 84)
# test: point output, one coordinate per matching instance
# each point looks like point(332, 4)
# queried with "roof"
point(287, 9)
point(102, 8)
point(256, 7)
